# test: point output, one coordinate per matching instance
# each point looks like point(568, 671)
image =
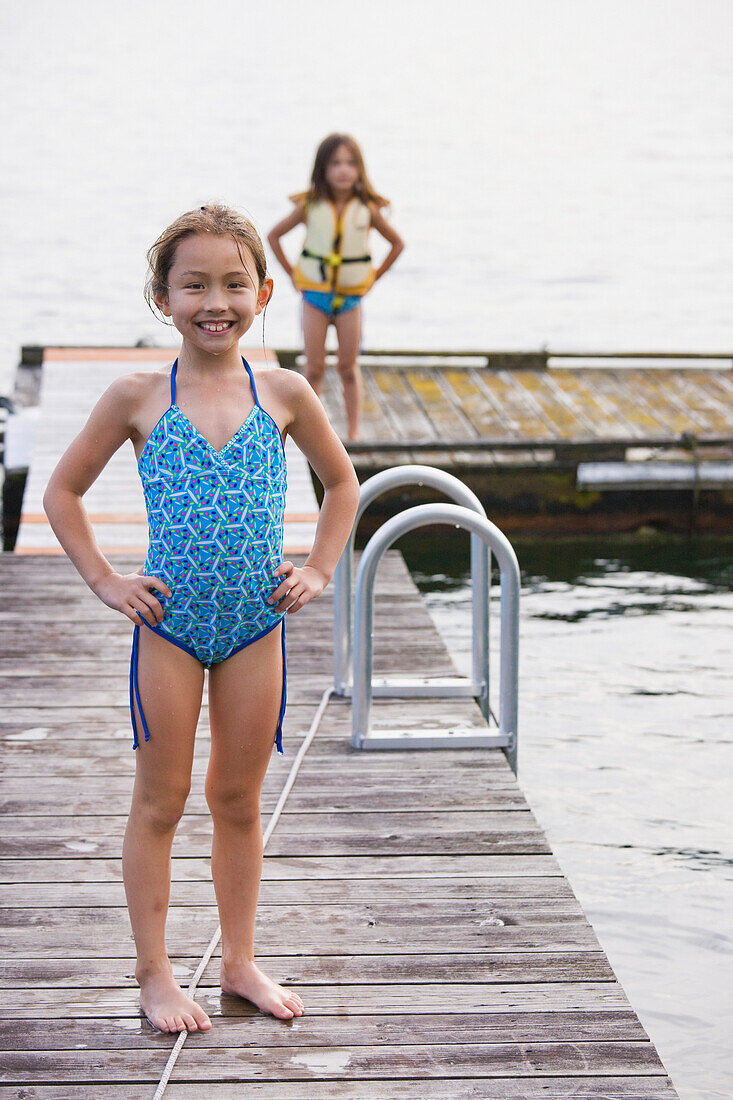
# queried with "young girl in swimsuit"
point(334, 270)
point(214, 590)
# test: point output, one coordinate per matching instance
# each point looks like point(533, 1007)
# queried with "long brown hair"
point(319, 187)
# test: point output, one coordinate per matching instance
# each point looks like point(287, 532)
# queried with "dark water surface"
point(626, 758)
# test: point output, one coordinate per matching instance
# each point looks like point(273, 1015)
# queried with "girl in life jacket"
point(334, 270)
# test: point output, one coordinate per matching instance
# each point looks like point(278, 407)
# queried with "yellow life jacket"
point(335, 254)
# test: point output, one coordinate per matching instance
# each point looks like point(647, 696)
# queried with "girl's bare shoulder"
point(139, 397)
point(282, 392)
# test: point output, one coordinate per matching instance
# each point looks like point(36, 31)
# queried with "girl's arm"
point(295, 217)
point(380, 223)
point(108, 427)
point(312, 431)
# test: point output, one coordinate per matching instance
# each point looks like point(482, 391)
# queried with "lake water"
point(626, 758)
point(561, 173)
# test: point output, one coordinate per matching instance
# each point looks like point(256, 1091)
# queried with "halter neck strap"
point(252, 380)
point(174, 369)
point(173, 382)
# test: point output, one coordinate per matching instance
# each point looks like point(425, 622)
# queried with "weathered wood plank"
point(106, 932)
point(24, 895)
point(113, 797)
point(465, 1088)
point(501, 967)
point(301, 869)
point(359, 1030)
point(326, 1000)
point(400, 408)
point(252, 1063)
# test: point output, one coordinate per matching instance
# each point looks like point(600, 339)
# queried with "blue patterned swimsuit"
point(215, 523)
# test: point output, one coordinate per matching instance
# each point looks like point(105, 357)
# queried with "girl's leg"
point(171, 683)
point(348, 330)
point(315, 327)
point(244, 704)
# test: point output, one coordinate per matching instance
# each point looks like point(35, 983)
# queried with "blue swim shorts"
point(329, 303)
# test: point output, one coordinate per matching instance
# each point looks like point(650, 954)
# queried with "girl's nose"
point(215, 299)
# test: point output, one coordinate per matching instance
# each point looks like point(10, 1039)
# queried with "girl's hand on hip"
point(131, 595)
point(297, 588)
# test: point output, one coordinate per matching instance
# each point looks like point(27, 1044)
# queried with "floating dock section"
point(563, 443)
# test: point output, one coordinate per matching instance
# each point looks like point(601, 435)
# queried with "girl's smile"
point(215, 326)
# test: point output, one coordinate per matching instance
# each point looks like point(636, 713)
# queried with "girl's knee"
point(348, 369)
point(231, 804)
point(315, 371)
point(161, 810)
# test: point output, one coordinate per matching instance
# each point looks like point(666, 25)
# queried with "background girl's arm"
point(380, 223)
point(108, 427)
point(312, 431)
point(295, 217)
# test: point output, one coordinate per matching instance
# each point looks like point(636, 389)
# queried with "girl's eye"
point(193, 286)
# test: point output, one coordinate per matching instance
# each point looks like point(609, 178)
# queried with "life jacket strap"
point(334, 259)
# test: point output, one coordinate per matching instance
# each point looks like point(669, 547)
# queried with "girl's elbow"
point(55, 495)
point(49, 497)
point(50, 506)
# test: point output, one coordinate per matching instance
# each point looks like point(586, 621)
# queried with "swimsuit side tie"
point(134, 691)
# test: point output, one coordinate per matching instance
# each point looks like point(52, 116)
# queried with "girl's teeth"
point(220, 327)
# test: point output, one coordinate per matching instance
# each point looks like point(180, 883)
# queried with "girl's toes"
point(190, 1022)
point(180, 1026)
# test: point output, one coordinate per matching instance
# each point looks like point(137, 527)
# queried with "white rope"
point(183, 1035)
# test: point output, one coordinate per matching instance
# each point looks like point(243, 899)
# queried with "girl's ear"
point(263, 295)
point(161, 301)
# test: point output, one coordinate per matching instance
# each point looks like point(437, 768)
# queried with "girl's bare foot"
point(165, 1004)
point(244, 979)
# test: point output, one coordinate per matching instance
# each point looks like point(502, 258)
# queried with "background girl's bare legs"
point(171, 684)
point(315, 327)
point(245, 692)
point(348, 330)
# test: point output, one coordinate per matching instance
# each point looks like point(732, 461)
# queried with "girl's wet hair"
point(319, 188)
point(215, 218)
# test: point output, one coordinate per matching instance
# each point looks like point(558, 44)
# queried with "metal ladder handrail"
point(491, 536)
point(415, 474)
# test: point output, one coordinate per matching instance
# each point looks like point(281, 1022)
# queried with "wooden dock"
point(410, 897)
point(565, 443)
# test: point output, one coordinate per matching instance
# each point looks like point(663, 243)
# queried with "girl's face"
point(213, 296)
point(342, 171)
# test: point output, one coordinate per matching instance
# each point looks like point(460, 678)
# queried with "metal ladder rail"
point(478, 686)
point(506, 738)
